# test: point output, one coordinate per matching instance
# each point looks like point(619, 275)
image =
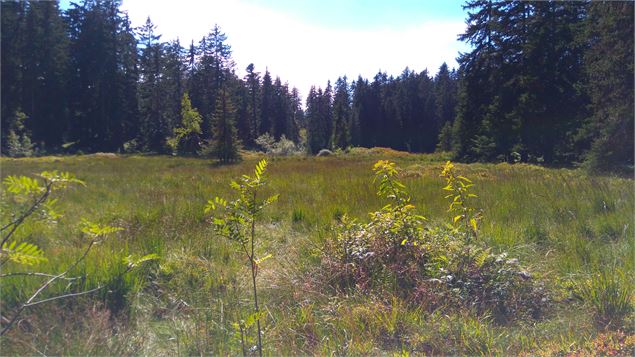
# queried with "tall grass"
point(562, 223)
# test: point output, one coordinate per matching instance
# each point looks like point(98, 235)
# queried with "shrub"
point(283, 147)
point(19, 138)
point(430, 266)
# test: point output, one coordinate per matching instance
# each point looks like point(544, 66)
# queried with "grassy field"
point(564, 227)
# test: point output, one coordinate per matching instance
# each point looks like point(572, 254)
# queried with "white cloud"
point(301, 53)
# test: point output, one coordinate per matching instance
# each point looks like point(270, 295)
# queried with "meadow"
point(571, 231)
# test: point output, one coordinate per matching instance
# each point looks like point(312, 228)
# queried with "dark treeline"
point(404, 113)
point(544, 82)
point(84, 79)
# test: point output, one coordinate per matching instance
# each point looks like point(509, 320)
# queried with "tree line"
point(544, 82)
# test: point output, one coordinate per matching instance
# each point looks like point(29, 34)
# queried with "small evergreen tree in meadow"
point(225, 142)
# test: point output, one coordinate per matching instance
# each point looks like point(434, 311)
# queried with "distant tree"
point(317, 116)
point(341, 114)
point(154, 126)
point(225, 142)
point(13, 15)
point(266, 105)
point(45, 72)
point(252, 85)
point(444, 96)
point(609, 71)
point(172, 82)
point(444, 143)
point(213, 68)
point(101, 56)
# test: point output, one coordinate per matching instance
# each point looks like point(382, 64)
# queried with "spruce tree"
point(609, 84)
point(341, 115)
point(225, 142)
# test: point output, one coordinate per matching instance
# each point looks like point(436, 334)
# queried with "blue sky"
point(308, 42)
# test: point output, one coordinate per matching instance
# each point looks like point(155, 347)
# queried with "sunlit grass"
point(564, 225)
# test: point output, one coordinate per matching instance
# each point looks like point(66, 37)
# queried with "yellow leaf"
point(474, 224)
point(456, 219)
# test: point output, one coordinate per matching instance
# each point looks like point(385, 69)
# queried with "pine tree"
point(609, 70)
point(99, 39)
point(154, 128)
point(13, 14)
point(266, 105)
point(252, 85)
point(44, 72)
point(225, 143)
point(341, 115)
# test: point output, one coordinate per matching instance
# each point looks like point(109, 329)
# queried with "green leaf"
point(97, 230)
point(22, 185)
point(24, 253)
point(133, 262)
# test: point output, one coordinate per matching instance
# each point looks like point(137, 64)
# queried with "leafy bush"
point(18, 138)
point(282, 147)
point(433, 267)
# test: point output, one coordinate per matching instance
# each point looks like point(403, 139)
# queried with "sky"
point(307, 42)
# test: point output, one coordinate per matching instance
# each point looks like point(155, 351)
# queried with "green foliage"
point(97, 231)
point(445, 138)
point(238, 224)
point(19, 138)
point(609, 85)
point(460, 201)
point(188, 133)
point(24, 253)
point(432, 266)
point(225, 144)
point(28, 196)
point(133, 261)
point(282, 147)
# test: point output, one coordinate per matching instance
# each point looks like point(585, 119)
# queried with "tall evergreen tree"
point(341, 114)
point(154, 126)
point(266, 104)
point(225, 139)
point(12, 51)
point(609, 84)
point(252, 85)
point(44, 73)
point(99, 45)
